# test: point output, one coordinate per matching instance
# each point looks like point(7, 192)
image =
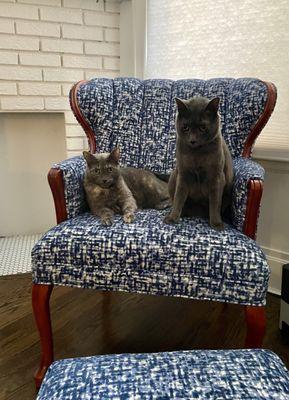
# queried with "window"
point(225, 38)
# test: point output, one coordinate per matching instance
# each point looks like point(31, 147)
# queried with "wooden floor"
point(87, 322)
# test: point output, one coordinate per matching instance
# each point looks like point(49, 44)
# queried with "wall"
point(46, 46)
point(273, 229)
point(26, 154)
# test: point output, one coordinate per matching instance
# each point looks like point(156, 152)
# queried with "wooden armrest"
point(255, 190)
point(56, 183)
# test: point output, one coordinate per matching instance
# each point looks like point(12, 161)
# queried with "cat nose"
point(104, 180)
point(193, 141)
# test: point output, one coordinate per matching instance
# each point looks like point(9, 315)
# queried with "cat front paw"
point(170, 219)
point(218, 226)
point(107, 221)
point(128, 218)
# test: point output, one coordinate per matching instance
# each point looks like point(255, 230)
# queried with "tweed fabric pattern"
point(139, 115)
point(189, 259)
point(73, 170)
point(199, 374)
point(244, 171)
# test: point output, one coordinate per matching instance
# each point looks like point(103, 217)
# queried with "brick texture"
point(82, 61)
point(6, 26)
point(16, 42)
point(94, 18)
point(61, 15)
point(37, 28)
point(111, 35)
point(8, 88)
point(22, 103)
point(48, 45)
point(102, 48)
point(41, 59)
point(62, 46)
point(111, 63)
point(18, 11)
point(8, 57)
point(39, 89)
point(18, 73)
point(82, 32)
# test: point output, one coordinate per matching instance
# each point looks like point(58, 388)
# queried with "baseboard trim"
point(276, 260)
point(274, 291)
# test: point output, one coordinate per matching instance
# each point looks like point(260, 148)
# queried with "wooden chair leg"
point(40, 303)
point(256, 326)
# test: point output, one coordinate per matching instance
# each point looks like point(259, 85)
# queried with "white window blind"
point(225, 38)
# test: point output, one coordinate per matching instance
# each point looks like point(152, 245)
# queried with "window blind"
point(225, 38)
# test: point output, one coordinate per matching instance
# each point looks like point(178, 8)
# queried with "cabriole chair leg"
point(40, 303)
point(256, 325)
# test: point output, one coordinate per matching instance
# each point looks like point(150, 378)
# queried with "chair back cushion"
point(139, 115)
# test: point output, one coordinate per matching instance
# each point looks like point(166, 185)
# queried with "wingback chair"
point(189, 259)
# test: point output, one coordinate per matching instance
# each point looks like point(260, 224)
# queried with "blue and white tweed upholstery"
point(199, 374)
point(244, 171)
point(139, 115)
point(189, 259)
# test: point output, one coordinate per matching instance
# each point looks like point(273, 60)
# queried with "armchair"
point(189, 259)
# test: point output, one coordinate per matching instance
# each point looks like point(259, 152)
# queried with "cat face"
point(197, 120)
point(103, 169)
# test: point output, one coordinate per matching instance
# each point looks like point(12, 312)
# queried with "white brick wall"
point(48, 45)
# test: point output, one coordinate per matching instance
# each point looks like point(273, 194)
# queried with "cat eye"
point(109, 169)
point(96, 170)
point(202, 128)
point(186, 128)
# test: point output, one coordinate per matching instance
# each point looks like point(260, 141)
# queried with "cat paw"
point(170, 220)
point(107, 221)
point(218, 226)
point(128, 218)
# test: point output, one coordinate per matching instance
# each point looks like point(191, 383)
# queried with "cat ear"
point(213, 105)
point(89, 158)
point(181, 106)
point(114, 156)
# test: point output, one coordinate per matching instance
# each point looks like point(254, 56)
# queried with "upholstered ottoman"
point(199, 374)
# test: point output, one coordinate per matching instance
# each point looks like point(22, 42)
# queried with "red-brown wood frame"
point(263, 119)
point(255, 316)
point(256, 326)
point(255, 190)
point(79, 116)
point(40, 304)
point(56, 183)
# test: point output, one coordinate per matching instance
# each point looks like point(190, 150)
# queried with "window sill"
point(271, 154)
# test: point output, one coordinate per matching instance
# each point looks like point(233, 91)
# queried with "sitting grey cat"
point(111, 189)
point(201, 183)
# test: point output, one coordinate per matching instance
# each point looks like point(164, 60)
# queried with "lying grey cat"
point(111, 189)
point(201, 183)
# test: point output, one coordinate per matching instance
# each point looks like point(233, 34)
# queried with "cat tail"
point(162, 177)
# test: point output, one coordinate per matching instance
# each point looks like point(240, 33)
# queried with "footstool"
point(198, 374)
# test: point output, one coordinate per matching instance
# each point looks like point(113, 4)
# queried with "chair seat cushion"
point(199, 374)
point(189, 259)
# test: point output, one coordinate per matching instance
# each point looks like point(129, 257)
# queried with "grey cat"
point(113, 190)
point(202, 180)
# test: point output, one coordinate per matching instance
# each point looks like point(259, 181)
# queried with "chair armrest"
point(246, 195)
point(66, 183)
